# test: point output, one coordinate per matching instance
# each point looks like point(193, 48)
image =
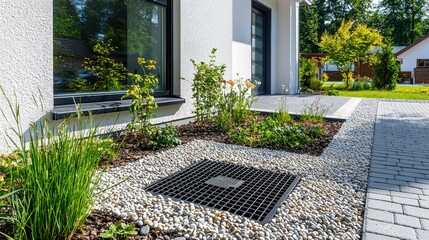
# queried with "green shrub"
point(109, 74)
point(141, 92)
point(308, 70)
point(332, 92)
point(272, 133)
point(358, 86)
point(119, 230)
point(162, 137)
point(78, 85)
point(207, 88)
point(386, 69)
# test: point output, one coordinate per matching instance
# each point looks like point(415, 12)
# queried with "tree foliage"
point(386, 69)
point(349, 45)
point(66, 20)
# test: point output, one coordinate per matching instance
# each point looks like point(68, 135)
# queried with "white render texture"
point(409, 57)
point(26, 62)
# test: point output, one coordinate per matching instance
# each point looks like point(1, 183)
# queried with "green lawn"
point(401, 92)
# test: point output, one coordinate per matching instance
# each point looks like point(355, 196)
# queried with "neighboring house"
point(415, 60)
point(365, 70)
point(255, 39)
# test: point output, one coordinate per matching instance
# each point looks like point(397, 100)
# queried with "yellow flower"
point(141, 61)
point(231, 82)
point(250, 85)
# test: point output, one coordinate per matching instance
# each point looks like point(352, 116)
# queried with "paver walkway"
point(398, 191)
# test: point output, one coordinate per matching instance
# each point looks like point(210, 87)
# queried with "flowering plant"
point(141, 92)
point(234, 103)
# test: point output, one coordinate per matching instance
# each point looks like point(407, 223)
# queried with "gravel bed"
point(328, 203)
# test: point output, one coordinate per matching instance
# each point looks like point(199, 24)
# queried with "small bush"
point(119, 230)
point(207, 88)
point(332, 92)
point(386, 69)
point(308, 74)
point(78, 85)
point(162, 137)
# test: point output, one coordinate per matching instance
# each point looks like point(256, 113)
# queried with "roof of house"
point(412, 45)
point(77, 47)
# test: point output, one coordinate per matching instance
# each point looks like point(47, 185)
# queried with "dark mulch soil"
point(99, 221)
point(191, 131)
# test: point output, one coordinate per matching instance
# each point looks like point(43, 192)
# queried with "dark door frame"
point(265, 11)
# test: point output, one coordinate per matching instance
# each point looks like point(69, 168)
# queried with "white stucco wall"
point(26, 61)
point(409, 57)
point(242, 39)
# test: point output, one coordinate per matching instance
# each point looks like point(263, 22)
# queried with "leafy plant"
point(162, 137)
point(332, 92)
point(119, 230)
point(109, 74)
point(349, 45)
point(308, 74)
point(78, 85)
point(207, 88)
point(386, 70)
point(141, 92)
point(5, 216)
point(234, 104)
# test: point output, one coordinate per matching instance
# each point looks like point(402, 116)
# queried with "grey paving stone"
point(416, 212)
point(405, 195)
point(407, 221)
point(382, 216)
point(419, 185)
point(373, 236)
point(424, 204)
point(383, 205)
point(389, 187)
point(389, 229)
point(422, 235)
point(405, 178)
point(425, 224)
point(380, 197)
point(411, 190)
point(406, 201)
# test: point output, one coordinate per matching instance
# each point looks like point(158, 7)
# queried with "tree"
point(66, 20)
point(404, 21)
point(348, 46)
point(362, 40)
point(308, 36)
point(386, 69)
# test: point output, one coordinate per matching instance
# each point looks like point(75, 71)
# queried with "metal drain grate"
point(252, 193)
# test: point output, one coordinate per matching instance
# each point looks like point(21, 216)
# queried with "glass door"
point(260, 47)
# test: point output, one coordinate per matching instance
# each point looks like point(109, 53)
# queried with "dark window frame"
point(92, 97)
point(425, 63)
point(267, 11)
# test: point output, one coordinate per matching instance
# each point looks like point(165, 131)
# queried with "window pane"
point(420, 63)
point(133, 28)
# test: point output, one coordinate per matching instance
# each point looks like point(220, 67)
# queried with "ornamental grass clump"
point(58, 179)
point(59, 182)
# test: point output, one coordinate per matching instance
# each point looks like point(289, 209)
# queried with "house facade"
point(414, 59)
point(44, 44)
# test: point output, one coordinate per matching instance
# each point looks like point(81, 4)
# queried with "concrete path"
point(337, 107)
point(398, 191)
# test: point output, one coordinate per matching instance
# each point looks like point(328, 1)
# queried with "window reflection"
point(134, 28)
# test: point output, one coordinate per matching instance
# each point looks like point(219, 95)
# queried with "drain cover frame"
point(251, 193)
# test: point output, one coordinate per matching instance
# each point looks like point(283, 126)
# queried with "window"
point(422, 63)
point(330, 67)
point(122, 30)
